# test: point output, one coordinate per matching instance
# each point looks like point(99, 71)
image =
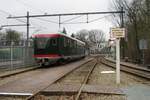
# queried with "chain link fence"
point(15, 54)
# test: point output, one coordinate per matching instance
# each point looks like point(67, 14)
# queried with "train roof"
point(56, 35)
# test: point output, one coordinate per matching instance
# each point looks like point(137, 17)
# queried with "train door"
point(54, 45)
point(62, 46)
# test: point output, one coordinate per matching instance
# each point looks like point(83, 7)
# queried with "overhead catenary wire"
point(29, 6)
point(72, 19)
point(70, 14)
point(35, 24)
point(98, 19)
point(75, 23)
point(7, 13)
point(47, 20)
point(4, 12)
point(61, 22)
point(88, 21)
point(20, 20)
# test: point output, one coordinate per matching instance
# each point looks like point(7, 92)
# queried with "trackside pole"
point(11, 55)
point(118, 61)
point(118, 33)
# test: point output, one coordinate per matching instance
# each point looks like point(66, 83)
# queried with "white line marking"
point(19, 94)
point(107, 72)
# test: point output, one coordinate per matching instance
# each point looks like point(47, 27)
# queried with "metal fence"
point(15, 55)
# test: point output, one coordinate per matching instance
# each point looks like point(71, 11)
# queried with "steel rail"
point(35, 67)
point(140, 72)
point(38, 92)
point(85, 80)
point(132, 67)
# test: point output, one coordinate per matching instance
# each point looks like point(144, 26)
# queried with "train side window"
point(71, 43)
point(64, 42)
point(75, 44)
point(54, 42)
point(68, 42)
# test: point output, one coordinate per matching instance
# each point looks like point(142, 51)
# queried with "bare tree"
point(82, 35)
point(137, 23)
point(96, 36)
point(92, 38)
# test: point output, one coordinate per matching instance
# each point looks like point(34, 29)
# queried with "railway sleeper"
point(70, 89)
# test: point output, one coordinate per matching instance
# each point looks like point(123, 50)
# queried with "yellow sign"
point(118, 32)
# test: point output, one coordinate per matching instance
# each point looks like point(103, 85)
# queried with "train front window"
point(41, 42)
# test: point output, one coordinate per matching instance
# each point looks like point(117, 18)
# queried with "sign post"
point(118, 33)
point(118, 61)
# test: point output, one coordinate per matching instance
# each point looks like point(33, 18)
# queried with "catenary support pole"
point(59, 23)
point(27, 28)
point(27, 41)
point(122, 40)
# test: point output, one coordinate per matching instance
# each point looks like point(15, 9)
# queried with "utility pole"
point(27, 29)
point(59, 23)
point(26, 56)
point(122, 20)
point(148, 10)
point(148, 6)
point(122, 40)
point(87, 18)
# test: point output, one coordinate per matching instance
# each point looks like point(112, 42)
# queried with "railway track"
point(75, 85)
point(86, 80)
point(80, 83)
point(138, 71)
point(18, 91)
point(35, 96)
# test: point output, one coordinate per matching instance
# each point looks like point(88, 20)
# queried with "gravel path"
point(109, 79)
point(76, 77)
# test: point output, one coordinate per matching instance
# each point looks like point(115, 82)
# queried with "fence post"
point(11, 54)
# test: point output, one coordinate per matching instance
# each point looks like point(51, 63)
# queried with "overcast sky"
point(20, 7)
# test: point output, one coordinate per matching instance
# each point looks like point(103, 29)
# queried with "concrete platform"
point(138, 92)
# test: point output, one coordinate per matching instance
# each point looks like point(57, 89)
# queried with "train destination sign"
point(118, 32)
